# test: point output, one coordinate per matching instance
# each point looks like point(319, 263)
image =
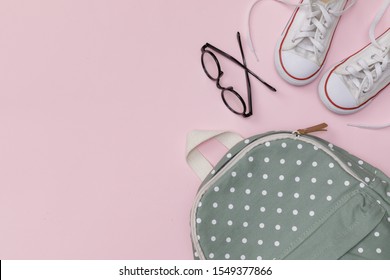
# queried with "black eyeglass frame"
point(217, 79)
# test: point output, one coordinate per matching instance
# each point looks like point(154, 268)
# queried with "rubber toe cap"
point(338, 92)
point(297, 66)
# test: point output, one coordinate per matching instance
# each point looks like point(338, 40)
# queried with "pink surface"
point(96, 99)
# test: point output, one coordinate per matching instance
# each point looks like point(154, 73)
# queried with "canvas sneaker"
point(353, 83)
point(302, 49)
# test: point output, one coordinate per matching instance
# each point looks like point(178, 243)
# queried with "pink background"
point(96, 99)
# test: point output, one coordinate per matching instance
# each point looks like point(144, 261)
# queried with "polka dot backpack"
point(287, 195)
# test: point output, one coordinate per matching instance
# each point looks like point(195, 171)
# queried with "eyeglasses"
point(231, 98)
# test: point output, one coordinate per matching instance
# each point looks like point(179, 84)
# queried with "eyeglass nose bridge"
point(218, 84)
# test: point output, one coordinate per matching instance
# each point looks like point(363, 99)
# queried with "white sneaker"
point(353, 83)
point(302, 49)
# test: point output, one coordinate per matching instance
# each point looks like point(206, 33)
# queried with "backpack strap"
point(199, 164)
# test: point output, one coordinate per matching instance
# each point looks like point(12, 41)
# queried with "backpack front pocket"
point(352, 218)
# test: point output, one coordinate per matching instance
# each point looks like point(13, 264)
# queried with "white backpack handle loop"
point(199, 164)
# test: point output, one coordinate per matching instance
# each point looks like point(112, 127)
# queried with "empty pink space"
point(96, 100)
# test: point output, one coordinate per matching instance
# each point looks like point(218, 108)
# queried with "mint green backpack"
point(287, 195)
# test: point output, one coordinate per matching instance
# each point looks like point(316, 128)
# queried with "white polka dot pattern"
point(272, 197)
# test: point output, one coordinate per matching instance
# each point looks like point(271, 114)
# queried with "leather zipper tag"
point(319, 127)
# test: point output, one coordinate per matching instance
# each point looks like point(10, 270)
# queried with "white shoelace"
point(372, 68)
point(366, 126)
point(309, 29)
point(367, 71)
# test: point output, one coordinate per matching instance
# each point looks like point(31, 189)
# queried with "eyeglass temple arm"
point(239, 64)
point(248, 82)
point(262, 81)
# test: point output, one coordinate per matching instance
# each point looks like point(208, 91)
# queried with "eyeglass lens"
point(211, 65)
point(233, 101)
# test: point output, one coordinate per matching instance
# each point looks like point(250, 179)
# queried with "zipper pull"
point(304, 131)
